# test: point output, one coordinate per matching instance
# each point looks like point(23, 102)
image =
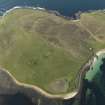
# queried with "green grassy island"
point(42, 49)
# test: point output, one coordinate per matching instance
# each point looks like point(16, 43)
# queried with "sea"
point(64, 7)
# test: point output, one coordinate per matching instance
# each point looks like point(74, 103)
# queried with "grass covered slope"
point(94, 23)
point(42, 49)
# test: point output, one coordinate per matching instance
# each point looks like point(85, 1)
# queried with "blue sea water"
point(65, 7)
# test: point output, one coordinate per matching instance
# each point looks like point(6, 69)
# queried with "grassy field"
point(42, 49)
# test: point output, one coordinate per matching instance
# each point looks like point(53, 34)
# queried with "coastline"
point(49, 95)
point(100, 52)
point(41, 91)
point(37, 8)
point(74, 17)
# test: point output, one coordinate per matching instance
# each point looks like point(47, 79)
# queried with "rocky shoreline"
point(10, 86)
point(75, 16)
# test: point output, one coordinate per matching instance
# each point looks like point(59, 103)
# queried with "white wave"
point(19, 7)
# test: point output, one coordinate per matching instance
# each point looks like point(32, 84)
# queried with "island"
point(48, 54)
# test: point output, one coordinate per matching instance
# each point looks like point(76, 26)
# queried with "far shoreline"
point(75, 16)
